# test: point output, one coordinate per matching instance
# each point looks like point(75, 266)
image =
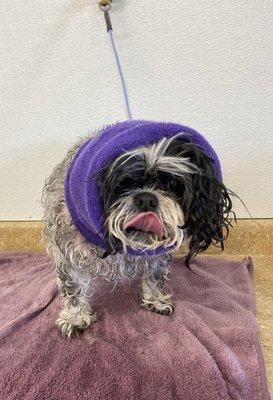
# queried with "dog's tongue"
point(147, 222)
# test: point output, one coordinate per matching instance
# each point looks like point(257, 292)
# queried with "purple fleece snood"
point(82, 192)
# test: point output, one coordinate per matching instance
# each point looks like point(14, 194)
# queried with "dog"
point(154, 196)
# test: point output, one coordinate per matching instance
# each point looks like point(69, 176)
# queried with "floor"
point(248, 238)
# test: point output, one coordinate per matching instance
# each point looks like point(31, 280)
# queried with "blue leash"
point(105, 6)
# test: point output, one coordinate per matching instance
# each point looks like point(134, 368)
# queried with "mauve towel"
point(207, 350)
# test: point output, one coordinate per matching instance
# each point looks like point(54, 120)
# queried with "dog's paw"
point(167, 310)
point(74, 320)
point(161, 305)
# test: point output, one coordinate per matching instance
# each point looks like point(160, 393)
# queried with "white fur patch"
point(155, 156)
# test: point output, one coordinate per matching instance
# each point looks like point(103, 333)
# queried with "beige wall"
point(207, 64)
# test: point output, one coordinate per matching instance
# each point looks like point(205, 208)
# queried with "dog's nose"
point(145, 201)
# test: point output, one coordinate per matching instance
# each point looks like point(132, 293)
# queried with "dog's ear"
point(208, 207)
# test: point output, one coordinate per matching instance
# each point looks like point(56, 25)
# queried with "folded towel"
point(207, 350)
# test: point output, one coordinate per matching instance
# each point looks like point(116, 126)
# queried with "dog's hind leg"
point(154, 297)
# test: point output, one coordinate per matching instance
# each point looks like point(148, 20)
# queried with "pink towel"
point(207, 350)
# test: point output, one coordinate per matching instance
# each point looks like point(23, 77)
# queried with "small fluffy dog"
point(153, 196)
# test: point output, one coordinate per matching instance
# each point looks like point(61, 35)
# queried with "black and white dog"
point(150, 197)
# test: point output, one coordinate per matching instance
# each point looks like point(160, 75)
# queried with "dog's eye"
point(173, 183)
point(178, 188)
point(163, 181)
point(170, 184)
point(173, 186)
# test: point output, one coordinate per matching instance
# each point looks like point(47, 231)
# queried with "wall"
point(207, 64)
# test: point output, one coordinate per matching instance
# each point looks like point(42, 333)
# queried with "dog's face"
point(149, 195)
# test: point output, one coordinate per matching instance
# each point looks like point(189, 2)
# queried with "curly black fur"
point(206, 203)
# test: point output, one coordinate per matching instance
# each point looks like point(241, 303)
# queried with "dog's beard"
point(169, 213)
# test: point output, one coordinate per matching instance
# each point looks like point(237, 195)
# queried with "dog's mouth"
point(146, 222)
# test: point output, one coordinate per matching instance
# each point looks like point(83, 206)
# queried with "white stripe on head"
point(154, 155)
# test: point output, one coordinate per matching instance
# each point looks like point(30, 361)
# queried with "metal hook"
point(105, 5)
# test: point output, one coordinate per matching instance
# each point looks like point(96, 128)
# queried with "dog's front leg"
point(154, 296)
point(74, 285)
